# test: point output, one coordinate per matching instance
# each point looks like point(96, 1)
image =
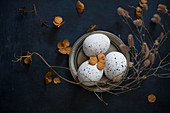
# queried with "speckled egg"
point(95, 44)
point(116, 64)
point(88, 73)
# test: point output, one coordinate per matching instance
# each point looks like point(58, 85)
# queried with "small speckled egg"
point(116, 64)
point(95, 44)
point(88, 73)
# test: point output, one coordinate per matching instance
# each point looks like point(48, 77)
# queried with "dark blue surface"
point(22, 88)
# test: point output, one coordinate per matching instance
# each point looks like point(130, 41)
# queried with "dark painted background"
point(22, 88)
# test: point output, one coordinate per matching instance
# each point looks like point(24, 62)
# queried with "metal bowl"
point(77, 57)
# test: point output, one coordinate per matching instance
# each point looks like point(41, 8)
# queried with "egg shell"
point(87, 72)
point(115, 65)
point(95, 44)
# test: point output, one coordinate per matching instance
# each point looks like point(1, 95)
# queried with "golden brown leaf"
point(62, 50)
point(93, 60)
point(138, 15)
point(56, 80)
point(48, 77)
point(58, 21)
point(64, 47)
point(80, 7)
point(102, 61)
point(144, 1)
point(100, 66)
point(68, 50)
point(93, 28)
point(151, 98)
point(60, 45)
point(138, 9)
point(66, 43)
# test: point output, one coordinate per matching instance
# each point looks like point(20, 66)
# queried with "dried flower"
point(138, 9)
point(102, 61)
point(160, 38)
point(58, 21)
point(28, 59)
point(146, 63)
point(137, 22)
point(138, 15)
point(93, 60)
point(56, 80)
point(156, 18)
point(156, 42)
point(64, 47)
point(117, 78)
point(152, 58)
point(162, 8)
point(145, 7)
point(145, 50)
point(140, 4)
point(124, 47)
point(48, 77)
point(130, 40)
point(101, 56)
point(100, 66)
point(93, 28)
point(151, 98)
point(123, 12)
point(131, 64)
point(80, 7)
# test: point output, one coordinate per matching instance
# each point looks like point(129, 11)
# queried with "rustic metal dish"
point(77, 57)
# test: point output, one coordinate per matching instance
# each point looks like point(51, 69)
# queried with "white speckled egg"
point(116, 63)
point(95, 44)
point(87, 72)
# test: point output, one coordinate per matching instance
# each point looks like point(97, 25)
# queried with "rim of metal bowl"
point(76, 48)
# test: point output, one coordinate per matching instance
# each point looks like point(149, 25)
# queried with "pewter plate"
point(77, 57)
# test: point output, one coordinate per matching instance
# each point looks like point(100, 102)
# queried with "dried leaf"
point(93, 28)
point(60, 45)
point(144, 1)
point(62, 50)
point(68, 50)
point(138, 9)
point(66, 43)
point(80, 7)
point(58, 21)
point(138, 15)
point(101, 56)
point(140, 4)
point(56, 80)
point(93, 60)
point(28, 60)
point(100, 66)
point(48, 77)
point(151, 98)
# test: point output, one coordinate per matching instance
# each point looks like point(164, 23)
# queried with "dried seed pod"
point(80, 7)
point(58, 21)
point(145, 7)
point(93, 60)
point(160, 38)
point(151, 98)
point(93, 28)
point(156, 18)
point(145, 50)
point(152, 58)
point(146, 63)
point(130, 40)
point(162, 8)
point(124, 47)
point(101, 56)
point(100, 66)
point(123, 12)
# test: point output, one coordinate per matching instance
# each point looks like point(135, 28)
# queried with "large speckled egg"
point(87, 74)
point(95, 44)
point(116, 64)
